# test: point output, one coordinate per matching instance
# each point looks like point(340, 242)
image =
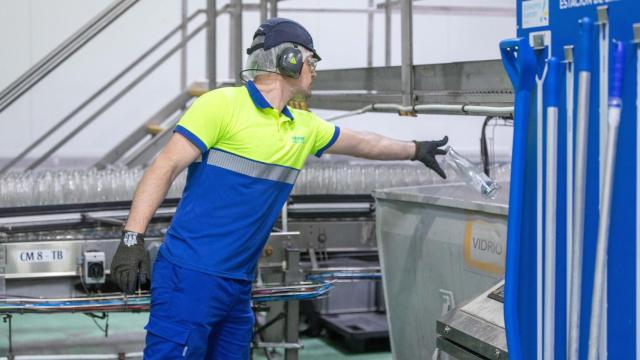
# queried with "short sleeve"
point(204, 123)
point(325, 136)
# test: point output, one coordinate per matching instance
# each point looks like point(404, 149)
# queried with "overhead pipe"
point(447, 109)
point(382, 8)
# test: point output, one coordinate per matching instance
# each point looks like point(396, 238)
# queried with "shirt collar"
point(262, 103)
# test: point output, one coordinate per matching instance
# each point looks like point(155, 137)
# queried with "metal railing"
point(103, 89)
point(267, 8)
point(61, 53)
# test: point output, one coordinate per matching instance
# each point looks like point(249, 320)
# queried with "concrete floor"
point(37, 334)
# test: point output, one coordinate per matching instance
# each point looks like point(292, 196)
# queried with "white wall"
point(29, 29)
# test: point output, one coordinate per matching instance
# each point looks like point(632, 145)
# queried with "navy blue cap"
point(280, 30)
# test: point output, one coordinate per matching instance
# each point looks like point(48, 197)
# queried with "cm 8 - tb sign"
point(40, 256)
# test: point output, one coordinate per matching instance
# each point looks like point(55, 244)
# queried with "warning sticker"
point(535, 13)
point(485, 247)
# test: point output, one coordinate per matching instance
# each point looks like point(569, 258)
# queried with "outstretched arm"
point(370, 145)
point(377, 147)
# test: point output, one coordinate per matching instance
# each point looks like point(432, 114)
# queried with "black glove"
point(130, 264)
point(426, 152)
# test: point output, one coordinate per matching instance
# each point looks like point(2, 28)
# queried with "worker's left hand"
point(426, 152)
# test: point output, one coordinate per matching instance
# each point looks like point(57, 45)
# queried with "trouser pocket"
point(170, 340)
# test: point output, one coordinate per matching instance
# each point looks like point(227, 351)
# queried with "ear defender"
point(290, 62)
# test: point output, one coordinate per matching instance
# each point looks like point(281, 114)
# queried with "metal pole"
point(292, 308)
point(603, 21)
point(551, 97)
point(600, 271)
point(387, 33)
point(539, 220)
point(8, 319)
point(540, 47)
point(603, 37)
point(582, 124)
point(235, 41)
point(183, 52)
point(568, 58)
point(406, 27)
point(284, 216)
point(273, 8)
point(211, 43)
point(263, 11)
point(370, 34)
point(636, 31)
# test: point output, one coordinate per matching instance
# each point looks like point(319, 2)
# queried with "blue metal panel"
point(521, 309)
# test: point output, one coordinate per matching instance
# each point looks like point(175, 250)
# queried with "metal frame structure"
point(283, 263)
point(407, 89)
point(61, 53)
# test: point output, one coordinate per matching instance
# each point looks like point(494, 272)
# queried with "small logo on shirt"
point(297, 139)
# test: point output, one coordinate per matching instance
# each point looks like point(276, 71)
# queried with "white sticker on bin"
point(485, 247)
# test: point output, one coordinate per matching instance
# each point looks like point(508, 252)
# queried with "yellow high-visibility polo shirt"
point(251, 157)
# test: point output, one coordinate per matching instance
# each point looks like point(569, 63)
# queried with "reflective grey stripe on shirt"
point(252, 168)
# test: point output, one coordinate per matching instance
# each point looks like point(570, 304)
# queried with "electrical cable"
point(485, 156)
point(244, 80)
point(484, 151)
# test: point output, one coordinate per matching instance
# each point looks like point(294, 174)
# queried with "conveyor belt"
point(142, 301)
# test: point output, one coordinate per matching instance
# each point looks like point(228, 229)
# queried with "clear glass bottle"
point(471, 174)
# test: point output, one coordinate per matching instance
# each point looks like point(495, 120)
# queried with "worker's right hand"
point(130, 264)
point(426, 152)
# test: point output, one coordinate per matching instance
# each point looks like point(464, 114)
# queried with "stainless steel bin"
point(439, 245)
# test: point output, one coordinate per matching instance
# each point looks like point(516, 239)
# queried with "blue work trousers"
point(195, 315)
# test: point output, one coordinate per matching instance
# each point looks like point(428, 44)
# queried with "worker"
point(244, 148)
